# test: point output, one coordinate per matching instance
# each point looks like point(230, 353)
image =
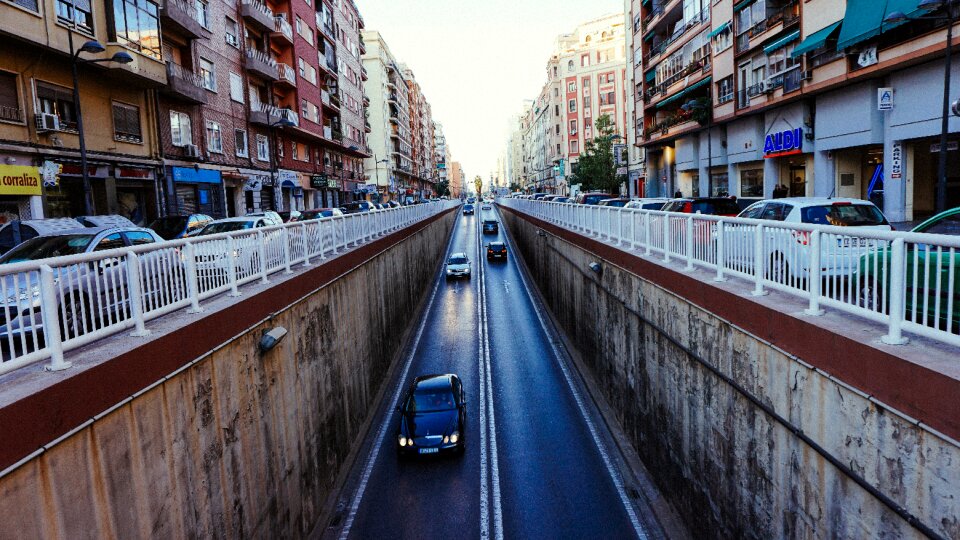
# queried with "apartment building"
point(389, 167)
point(40, 124)
point(636, 156)
point(457, 179)
point(441, 154)
point(822, 97)
point(421, 135)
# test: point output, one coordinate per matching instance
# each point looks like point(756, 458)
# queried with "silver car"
point(458, 265)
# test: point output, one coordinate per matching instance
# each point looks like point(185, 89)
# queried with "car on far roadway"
point(458, 265)
point(496, 250)
point(649, 203)
point(433, 414)
point(471, 200)
point(233, 224)
point(593, 197)
point(485, 207)
point(712, 206)
point(318, 213)
point(616, 203)
point(490, 226)
point(561, 199)
point(174, 227)
point(468, 209)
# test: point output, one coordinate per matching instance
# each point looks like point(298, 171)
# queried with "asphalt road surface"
point(538, 462)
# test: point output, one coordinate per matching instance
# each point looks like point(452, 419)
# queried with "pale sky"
point(477, 60)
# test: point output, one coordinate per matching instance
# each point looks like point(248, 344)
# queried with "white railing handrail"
point(57, 304)
point(904, 280)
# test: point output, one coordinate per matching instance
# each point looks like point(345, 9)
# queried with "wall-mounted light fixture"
point(597, 268)
point(540, 232)
point(271, 338)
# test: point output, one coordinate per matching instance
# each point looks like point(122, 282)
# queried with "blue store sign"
point(783, 143)
point(196, 176)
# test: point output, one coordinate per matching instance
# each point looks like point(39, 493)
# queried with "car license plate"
point(429, 450)
point(851, 242)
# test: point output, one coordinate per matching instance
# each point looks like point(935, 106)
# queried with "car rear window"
point(844, 215)
point(716, 207)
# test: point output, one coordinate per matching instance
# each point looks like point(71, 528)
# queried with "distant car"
point(496, 250)
point(593, 197)
point(16, 232)
point(458, 265)
point(290, 215)
point(561, 199)
point(712, 206)
point(490, 226)
point(433, 414)
point(471, 200)
point(468, 209)
point(318, 213)
point(616, 203)
point(174, 227)
point(107, 220)
point(650, 203)
point(485, 207)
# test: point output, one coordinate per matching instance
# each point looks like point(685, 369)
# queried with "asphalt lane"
point(538, 474)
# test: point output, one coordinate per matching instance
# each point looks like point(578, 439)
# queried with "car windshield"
point(43, 247)
point(169, 227)
point(424, 401)
point(594, 199)
point(457, 260)
point(716, 207)
point(226, 226)
point(843, 215)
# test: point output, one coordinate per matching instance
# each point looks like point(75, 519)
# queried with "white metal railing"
point(906, 281)
point(51, 306)
point(281, 26)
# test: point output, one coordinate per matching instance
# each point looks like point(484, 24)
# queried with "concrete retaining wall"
point(728, 467)
point(238, 444)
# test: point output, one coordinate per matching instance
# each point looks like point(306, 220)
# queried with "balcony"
point(282, 30)
point(363, 46)
point(181, 17)
point(693, 68)
point(184, 85)
point(261, 64)
point(14, 114)
point(366, 101)
point(324, 26)
point(287, 75)
point(363, 73)
point(257, 14)
point(366, 126)
point(271, 115)
point(787, 15)
point(662, 41)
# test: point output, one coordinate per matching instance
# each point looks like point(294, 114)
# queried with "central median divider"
point(203, 428)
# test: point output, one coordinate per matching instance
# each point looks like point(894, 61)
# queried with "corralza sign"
point(19, 180)
point(783, 143)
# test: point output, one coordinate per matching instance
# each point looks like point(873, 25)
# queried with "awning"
point(817, 39)
point(650, 76)
point(864, 19)
point(719, 29)
point(737, 7)
point(685, 91)
point(782, 42)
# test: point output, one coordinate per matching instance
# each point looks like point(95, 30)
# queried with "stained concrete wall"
point(729, 468)
point(238, 444)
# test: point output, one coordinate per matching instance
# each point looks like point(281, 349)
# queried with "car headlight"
point(403, 441)
point(446, 439)
point(454, 437)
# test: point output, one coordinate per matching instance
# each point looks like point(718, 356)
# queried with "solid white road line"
point(608, 463)
point(484, 461)
point(382, 432)
point(494, 461)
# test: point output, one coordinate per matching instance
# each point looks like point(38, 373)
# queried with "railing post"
point(721, 252)
point(232, 266)
point(646, 233)
point(666, 238)
point(689, 243)
point(262, 254)
point(758, 264)
point(620, 226)
point(135, 295)
point(895, 293)
point(303, 242)
point(343, 235)
point(51, 320)
point(814, 275)
point(193, 283)
point(285, 237)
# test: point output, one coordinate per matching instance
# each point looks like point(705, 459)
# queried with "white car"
point(458, 265)
point(649, 203)
point(274, 217)
point(211, 255)
point(787, 252)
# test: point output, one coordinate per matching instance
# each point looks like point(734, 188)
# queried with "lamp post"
point(376, 169)
point(693, 105)
point(281, 121)
point(898, 17)
point(91, 47)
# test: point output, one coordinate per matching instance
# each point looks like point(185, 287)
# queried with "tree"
point(478, 183)
point(596, 169)
point(443, 188)
point(515, 187)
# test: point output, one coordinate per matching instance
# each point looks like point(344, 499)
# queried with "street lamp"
point(691, 106)
point(376, 169)
point(899, 17)
point(90, 47)
point(284, 122)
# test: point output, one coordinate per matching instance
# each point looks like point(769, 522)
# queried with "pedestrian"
point(678, 195)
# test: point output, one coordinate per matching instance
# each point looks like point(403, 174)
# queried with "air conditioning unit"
point(807, 75)
point(191, 150)
point(232, 40)
point(47, 122)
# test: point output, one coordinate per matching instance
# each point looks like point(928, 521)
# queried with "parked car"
point(713, 206)
point(273, 216)
point(174, 227)
point(649, 203)
point(358, 207)
point(496, 250)
point(250, 221)
point(288, 216)
point(458, 265)
point(393, 204)
point(490, 226)
point(592, 197)
point(107, 220)
point(318, 213)
point(616, 203)
point(90, 291)
point(14, 233)
point(561, 199)
point(538, 196)
point(468, 210)
point(925, 265)
point(433, 415)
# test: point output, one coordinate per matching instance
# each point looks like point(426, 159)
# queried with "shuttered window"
point(126, 122)
point(9, 100)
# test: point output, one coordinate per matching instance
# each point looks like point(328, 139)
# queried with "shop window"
point(751, 183)
point(263, 148)
point(214, 138)
point(9, 98)
point(240, 142)
point(719, 185)
point(76, 14)
point(134, 23)
point(126, 123)
point(57, 100)
point(181, 133)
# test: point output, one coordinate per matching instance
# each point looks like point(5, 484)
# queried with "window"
point(208, 75)
point(135, 25)
point(584, 60)
point(295, 151)
point(27, 4)
point(75, 13)
point(573, 127)
point(231, 33)
point(236, 87)
point(781, 60)
point(725, 90)
point(751, 183)
point(181, 134)
point(202, 15)
point(585, 83)
point(304, 30)
point(571, 87)
point(112, 241)
point(587, 130)
point(240, 142)
point(574, 147)
point(263, 148)
point(9, 98)
point(214, 138)
point(570, 65)
point(59, 101)
point(139, 238)
point(608, 98)
point(723, 40)
point(572, 105)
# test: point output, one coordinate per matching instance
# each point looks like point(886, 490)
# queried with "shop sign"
point(884, 99)
point(868, 57)
point(197, 176)
point(896, 160)
point(138, 173)
point(19, 180)
point(951, 147)
point(333, 184)
point(50, 172)
point(319, 181)
point(284, 176)
point(783, 143)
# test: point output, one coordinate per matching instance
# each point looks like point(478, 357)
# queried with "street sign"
point(621, 171)
point(885, 99)
point(896, 160)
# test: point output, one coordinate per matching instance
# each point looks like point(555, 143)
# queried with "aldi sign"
point(783, 143)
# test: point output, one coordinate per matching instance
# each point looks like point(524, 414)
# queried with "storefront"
point(257, 192)
point(126, 190)
point(65, 197)
point(198, 191)
point(20, 192)
point(325, 192)
point(288, 189)
point(787, 152)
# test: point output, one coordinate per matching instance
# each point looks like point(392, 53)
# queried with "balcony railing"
point(11, 114)
point(693, 67)
point(787, 15)
point(257, 12)
point(791, 79)
point(262, 64)
point(181, 16)
point(658, 49)
point(282, 27)
point(271, 115)
point(287, 73)
point(184, 84)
